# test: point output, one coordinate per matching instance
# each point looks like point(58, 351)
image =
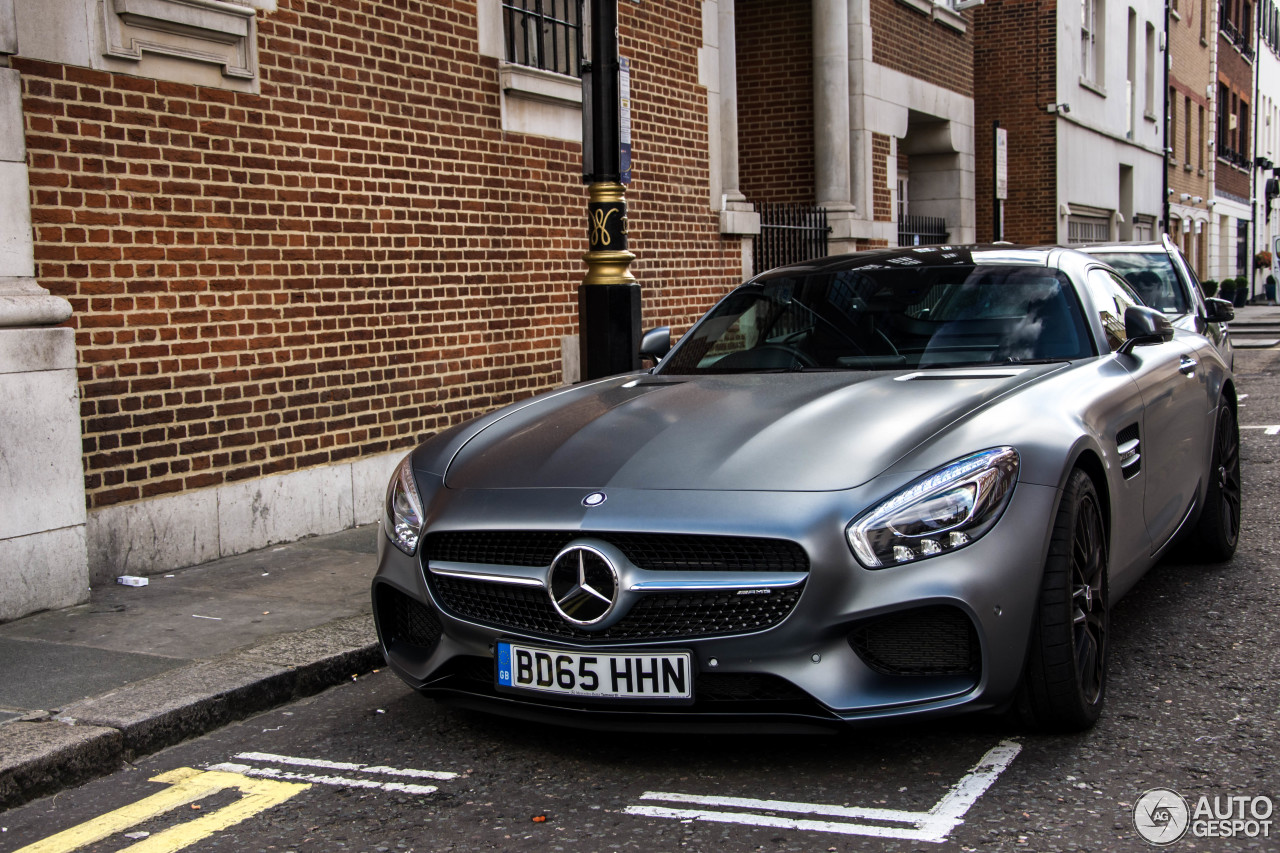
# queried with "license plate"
point(607, 675)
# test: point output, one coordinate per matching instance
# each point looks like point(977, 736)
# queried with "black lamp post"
point(609, 297)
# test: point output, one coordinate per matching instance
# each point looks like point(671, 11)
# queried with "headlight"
point(404, 508)
point(941, 512)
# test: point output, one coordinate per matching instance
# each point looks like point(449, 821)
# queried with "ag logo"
point(1161, 816)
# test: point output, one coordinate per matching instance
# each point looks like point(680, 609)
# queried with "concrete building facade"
point(1266, 182)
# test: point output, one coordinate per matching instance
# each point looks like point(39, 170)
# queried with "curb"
point(94, 737)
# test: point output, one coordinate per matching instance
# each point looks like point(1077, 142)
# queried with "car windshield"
point(1152, 275)
point(889, 319)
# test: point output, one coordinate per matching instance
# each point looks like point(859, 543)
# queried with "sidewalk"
point(137, 669)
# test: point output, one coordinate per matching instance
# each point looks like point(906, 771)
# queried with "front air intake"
point(402, 619)
point(939, 640)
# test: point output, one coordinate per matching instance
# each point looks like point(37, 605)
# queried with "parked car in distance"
point(895, 484)
point(1163, 279)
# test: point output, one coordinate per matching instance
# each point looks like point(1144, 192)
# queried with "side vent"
point(1129, 446)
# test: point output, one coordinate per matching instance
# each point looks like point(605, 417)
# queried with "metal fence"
point(544, 34)
point(789, 233)
point(922, 230)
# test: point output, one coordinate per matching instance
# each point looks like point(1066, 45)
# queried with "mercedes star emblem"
point(583, 585)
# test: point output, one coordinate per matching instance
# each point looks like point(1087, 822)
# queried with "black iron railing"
point(789, 233)
point(922, 230)
point(544, 34)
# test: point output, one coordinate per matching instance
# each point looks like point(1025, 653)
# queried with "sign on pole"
point(1002, 163)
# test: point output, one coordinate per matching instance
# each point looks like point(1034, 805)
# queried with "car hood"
point(746, 432)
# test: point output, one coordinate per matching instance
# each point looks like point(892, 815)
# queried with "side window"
point(1111, 296)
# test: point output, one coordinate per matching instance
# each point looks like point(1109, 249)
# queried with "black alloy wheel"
point(1218, 531)
point(1089, 599)
point(1064, 680)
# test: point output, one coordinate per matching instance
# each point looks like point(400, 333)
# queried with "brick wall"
point(775, 100)
point(904, 39)
point(1015, 46)
point(882, 196)
point(354, 258)
point(1237, 75)
point(1191, 71)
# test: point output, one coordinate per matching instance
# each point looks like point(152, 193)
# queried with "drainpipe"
point(1164, 132)
point(1253, 160)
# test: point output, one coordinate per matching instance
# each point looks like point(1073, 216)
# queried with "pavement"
point(1256, 326)
point(85, 689)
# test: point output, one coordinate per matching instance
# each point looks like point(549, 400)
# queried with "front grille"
point(403, 619)
point(658, 616)
point(671, 552)
point(929, 641)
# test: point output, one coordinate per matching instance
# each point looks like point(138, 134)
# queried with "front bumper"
point(939, 636)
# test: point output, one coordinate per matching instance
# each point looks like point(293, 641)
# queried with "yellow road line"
point(188, 786)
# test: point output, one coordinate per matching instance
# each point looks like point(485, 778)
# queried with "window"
point(1090, 46)
point(1242, 246)
point(1131, 76)
point(1203, 143)
point(1242, 149)
point(545, 34)
point(1088, 229)
point(1186, 121)
point(1151, 72)
point(1171, 129)
point(1224, 96)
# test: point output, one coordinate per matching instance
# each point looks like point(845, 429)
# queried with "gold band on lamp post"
point(607, 258)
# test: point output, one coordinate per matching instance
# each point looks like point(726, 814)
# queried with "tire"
point(1218, 531)
point(1064, 679)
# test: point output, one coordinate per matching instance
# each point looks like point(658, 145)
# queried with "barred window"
point(545, 34)
point(1088, 229)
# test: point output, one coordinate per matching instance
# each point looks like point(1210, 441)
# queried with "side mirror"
point(656, 343)
point(1218, 310)
point(1143, 326)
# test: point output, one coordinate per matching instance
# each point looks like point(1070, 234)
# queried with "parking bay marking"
point(933, 826)
point(336, 781)
point(1268, 429)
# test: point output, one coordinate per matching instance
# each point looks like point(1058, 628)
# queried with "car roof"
point(1146, 246)
point(925, 256)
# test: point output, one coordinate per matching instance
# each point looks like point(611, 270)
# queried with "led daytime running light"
point(890, 534)
point(404, 509)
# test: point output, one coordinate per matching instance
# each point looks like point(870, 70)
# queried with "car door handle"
point(1187, 367)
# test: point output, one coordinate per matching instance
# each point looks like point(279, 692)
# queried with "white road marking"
point(271, 758)
point(932, 826)
point(1268, 429)
point(335, 780)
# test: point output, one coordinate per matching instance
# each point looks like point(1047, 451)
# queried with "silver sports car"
point(893, 484)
